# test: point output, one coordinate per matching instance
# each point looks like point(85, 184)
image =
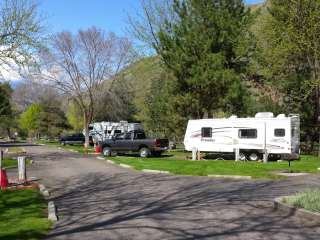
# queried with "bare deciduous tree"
point(21, 33)
point(78, 64)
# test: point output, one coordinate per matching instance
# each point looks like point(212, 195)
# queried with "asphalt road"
point(97, 200)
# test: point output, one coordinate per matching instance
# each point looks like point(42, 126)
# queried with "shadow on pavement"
point(146, 206)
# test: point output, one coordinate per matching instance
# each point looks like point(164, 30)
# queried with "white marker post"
point(22, 169)
point(194, 154)
point(265, 156)
point(237, 154)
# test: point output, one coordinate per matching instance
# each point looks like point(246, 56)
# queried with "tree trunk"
point(8, 133)
point(316, 78)
point(86, 130)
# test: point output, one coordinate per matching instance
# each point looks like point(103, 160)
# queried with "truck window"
point(120, 136)
point(206, 132)
point(247, 133)
point(127, 136)
point(140, 135)
point(279, 132)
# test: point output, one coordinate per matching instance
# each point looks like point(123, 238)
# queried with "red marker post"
point(3, 174)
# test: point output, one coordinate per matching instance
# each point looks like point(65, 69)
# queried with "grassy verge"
point(76, 147)
point(176, 163)
point(309, 200)
point(9, 163)
point(12, 163)
point(22, 215)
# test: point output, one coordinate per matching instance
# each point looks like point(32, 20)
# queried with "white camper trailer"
point(250, 137)
point(100, 131)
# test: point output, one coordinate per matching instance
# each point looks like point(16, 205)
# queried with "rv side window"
point(279, 132)
point(206, 132)
point(247, 133)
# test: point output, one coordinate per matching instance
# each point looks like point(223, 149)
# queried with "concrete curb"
point(101, 158)
point(125, 165)
point(110, 161)
point(44, 191)
point(52, 211)
point(292, 174)
point(93, 153)
point(154, 171)
point(279, 205)
point(231, 176)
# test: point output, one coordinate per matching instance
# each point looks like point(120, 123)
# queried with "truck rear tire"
point(106, 151)
point(144, 152)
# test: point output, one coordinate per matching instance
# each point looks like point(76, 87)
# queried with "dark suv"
point(77, 138)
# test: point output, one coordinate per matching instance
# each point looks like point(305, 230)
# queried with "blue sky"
point(110, 15)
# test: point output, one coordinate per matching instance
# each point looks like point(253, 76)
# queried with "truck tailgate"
point(162, 142)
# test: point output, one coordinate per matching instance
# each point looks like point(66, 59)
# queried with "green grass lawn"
point(76, 147)
point(12, 163)
point(309, 200)
point(22, 215)
point(176, 163)
point(9, 163)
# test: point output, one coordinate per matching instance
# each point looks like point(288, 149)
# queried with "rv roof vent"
point(281, 116)
point(233, 117)
point(264, 115)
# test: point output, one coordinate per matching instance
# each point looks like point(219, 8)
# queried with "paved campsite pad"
point(98, 200)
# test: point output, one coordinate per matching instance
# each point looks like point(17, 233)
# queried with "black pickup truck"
point(134, 141)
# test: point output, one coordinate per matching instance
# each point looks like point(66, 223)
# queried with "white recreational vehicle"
point(100, 131)
point(250, 137)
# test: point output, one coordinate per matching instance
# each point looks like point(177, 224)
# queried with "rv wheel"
point(242, 157)
point(253, 156)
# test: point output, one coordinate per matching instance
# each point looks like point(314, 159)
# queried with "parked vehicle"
point(278, 136)
point(77, 138)
point(100, 131)
point(134, 141)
